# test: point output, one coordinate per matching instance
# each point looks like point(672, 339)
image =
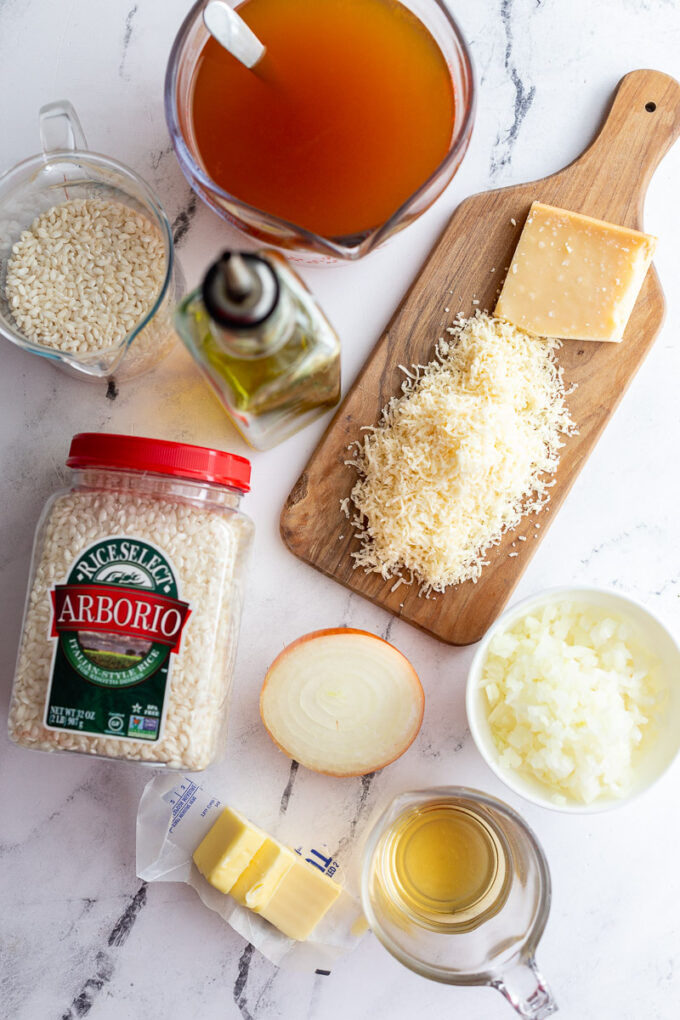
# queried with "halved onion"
point(343, 702)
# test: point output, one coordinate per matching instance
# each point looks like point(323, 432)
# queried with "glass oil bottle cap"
point(240, 290)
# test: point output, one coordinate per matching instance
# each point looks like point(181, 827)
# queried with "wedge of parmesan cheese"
point(457, 459)
point(574, 277)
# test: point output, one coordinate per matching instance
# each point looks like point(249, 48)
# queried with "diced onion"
point(571, 692)
point(343, 702)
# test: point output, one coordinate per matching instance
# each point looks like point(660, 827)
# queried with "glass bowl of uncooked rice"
point(88, 276)
point(573, 699)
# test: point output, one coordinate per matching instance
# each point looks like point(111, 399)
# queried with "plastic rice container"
point(134, 604)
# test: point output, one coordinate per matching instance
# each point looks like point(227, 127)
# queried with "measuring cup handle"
point(60, 129)
point(526, 990)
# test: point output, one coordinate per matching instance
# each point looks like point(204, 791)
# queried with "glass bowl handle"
point(60, 128)
point(526, 990)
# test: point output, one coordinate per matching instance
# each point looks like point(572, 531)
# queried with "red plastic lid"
point(182, 460)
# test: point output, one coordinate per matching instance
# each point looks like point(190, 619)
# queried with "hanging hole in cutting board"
point(650, 107)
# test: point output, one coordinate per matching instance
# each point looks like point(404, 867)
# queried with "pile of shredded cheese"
point(456, 461)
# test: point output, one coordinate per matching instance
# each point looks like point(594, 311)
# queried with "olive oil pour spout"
point(231, 32)
point(240, 290)
point(238, 278)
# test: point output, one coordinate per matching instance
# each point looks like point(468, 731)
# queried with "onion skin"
point(346, 631)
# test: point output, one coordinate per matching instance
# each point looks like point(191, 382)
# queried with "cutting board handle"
point(642, 124)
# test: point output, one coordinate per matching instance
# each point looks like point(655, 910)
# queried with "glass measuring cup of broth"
point(456, 886)
point(351, 125)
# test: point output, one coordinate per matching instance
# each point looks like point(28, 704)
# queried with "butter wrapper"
point(175, 813)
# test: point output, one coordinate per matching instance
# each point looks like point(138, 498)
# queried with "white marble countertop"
point(81, 936)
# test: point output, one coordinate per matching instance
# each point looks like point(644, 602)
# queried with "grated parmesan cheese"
point(457, 459)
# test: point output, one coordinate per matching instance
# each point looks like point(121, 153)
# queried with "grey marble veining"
point(81, 935)
point(501, 154)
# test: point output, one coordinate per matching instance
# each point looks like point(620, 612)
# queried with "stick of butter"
point(256, 885)
point(261, 874)
point(228, 849)
point(300, 900)
point(574, 277)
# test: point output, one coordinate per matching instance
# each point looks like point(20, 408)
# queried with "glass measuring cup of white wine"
point(456, 887)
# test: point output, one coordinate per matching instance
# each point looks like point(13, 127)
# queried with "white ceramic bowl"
point(652, 761)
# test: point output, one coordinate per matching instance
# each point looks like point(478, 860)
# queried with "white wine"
point(445, 866)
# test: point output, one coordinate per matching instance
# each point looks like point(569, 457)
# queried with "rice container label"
point(117, 621)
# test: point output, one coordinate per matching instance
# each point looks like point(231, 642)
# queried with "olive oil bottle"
point(263, 344)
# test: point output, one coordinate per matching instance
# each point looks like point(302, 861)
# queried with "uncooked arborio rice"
point(206, 548)
point(84, 274)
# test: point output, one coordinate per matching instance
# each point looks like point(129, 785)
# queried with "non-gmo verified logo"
point(143, 726)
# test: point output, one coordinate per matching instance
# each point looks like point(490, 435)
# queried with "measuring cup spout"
point(526, 990)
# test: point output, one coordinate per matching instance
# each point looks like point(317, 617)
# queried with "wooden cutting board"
point(608, 181)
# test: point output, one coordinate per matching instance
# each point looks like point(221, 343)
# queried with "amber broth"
point(349, 112)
